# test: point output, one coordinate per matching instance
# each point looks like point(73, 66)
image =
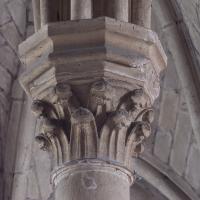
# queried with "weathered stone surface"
point(5, 105)
point(11, 35)
point(2, 40)
point(17, 9)
point(7, 185)
point(193, 170)
point(171, 80)
point(10, 140)
point(8, 59)
point(5, 80)
point(24, 153)
point(183, 103)
point(162, 146)
point(9, 40)
point(159, 180)
point(168, 110)
point(142, 190)
point(102, 183)
point(33, 187)
point(4, 16)
point(106, 55)
point(163, 14)
point(20, 186)
point(27, 128)
point(30, 31)
point(30, 12)
point(98, 130)
point(17, 91)
point(106, 98)
point(191, 21)
point(81, 10)
point(182, 139)
point(11, 145)
point(189, 8)
point(43, 167)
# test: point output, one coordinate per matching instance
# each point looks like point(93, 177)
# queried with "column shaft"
point(81, 9)
point(90, 185)
point(118, 9)
point(44, 11)
point(36, 14)
point(141, 12)
point(121, 10)
point(49, 11)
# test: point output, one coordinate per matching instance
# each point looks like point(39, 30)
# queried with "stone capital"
point(93, 83)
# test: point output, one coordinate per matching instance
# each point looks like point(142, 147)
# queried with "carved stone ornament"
point(70, 132)
point(93, 83)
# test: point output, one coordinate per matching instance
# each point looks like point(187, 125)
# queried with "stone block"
point(171, 79)
point(193, 170)
point(17, 9)
point(162, 147)
point(181, 143)
point(168, 110)
point(11, 35)
point(4, 14)
point(8, 59)
point(5, 80)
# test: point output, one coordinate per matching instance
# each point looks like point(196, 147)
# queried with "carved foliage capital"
point(112, 127)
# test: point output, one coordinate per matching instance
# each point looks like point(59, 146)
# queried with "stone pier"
point(93, 82)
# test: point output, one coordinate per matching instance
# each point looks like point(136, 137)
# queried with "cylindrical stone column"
point(118, 9)
point(36, 14)
point(89, 181)
point(141, 12)
point(49, 11)
point(121, 9)
point(81, 9)
point(44, 5)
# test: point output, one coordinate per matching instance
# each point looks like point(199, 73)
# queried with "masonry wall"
point(175, 144)
point(15, 24)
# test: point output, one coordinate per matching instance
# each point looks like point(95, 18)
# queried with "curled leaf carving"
point(111, 128)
